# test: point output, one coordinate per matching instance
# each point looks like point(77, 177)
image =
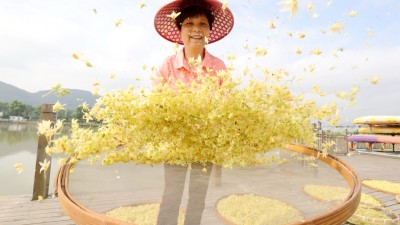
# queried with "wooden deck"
point(18, 210)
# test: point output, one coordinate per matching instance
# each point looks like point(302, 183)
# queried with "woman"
point(193, 23)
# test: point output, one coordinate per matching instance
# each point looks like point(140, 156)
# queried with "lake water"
point(18, 144)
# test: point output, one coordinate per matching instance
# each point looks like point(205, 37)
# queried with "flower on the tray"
point(144, 214)
point(328, 193)
point(387, 186)
point(251, 209)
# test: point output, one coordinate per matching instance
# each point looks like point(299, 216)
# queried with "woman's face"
point(194, 31)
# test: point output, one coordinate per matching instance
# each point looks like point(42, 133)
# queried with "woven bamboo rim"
point(394, 217)
point(377, 189)
point(81, 215)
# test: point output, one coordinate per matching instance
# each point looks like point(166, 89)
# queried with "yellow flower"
point(353, 13)
point(75, 56)
point(298, 51)
point(88, 63)
point(370, 32)
point(224, 5)
point(174, 14)
point(316, 51)
point(118, 22)
point(113, 76)
point(44, 165)
point(301, 35)
point(142, 5)
point(337, 27)
point(231, 57)
point(85, 106)
point(310, 6)
point(311, 68)
point(40, 198)
point(272, 24)
point(290, 5)
point(19, 167)
point(58, 106)
point(375, 79)
point(95, 92)
point(259, 51)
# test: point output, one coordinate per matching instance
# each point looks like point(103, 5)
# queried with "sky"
point(39, 38)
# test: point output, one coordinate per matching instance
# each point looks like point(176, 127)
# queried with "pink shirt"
point(175, 67)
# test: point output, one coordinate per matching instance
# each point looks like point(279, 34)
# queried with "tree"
point(79, 113)
point(17, 108)
point(4, 109)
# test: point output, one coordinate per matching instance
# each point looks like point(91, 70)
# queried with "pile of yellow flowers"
point(250, 209)
point(232, 123)
point(383, 185)
point(145, 214)
point(327, 193)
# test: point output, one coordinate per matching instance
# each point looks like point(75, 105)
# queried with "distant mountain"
point(9, 93)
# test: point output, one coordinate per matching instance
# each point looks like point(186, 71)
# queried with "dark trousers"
point(174, 177)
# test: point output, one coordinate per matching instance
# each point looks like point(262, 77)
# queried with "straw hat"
point(166, 27)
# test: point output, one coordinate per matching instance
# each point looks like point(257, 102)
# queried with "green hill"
point(9, 93)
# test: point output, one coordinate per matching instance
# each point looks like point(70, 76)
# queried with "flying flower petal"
point(118, 22)
point(58, 106)
point(337, 27)
point(44, 166)
point(290, 5)
point(174, 14)
point(353, 13)
point(142, 5)
point(224, 5)
point(375, 79)
point(316, 51)
point(19, 167)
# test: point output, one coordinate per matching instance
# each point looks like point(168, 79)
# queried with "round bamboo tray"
point(82, 215)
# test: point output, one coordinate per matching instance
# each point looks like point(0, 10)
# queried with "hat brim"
point(165, 25)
